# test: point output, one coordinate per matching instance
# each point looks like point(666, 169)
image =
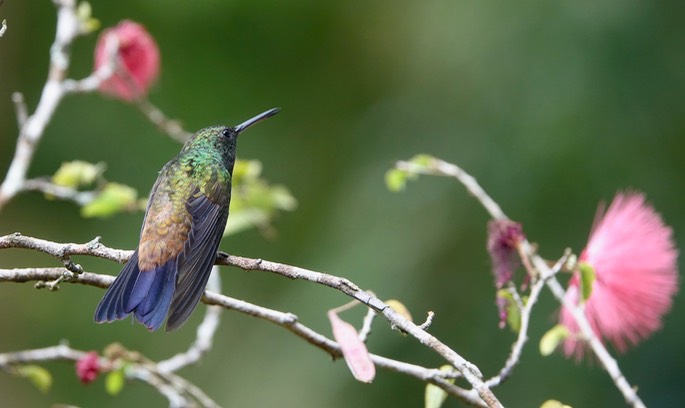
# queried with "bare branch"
point(93, 248)
point(33, 126)
point(471, 373)
point(3, 28)
point(286, 320)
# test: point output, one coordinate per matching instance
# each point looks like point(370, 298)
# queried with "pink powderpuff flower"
point(137, 67)
point(635, 262)
point(88, 367)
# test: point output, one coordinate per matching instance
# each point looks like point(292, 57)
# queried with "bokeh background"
point(553, 106)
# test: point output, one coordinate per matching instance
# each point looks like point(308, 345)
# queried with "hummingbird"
point(184, 221)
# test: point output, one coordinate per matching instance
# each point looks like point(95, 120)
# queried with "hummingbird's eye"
point(226, 132)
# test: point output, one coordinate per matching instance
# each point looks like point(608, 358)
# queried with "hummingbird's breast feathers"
point(166, 226)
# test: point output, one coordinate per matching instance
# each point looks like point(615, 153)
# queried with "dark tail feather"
point(147, 294)
point(153, 309)
point(115, 304)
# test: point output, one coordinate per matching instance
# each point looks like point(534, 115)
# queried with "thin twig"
point(442, 168)
point(365, 330)
point(20, 108)
point(64, 193)
point(471, 373)
point(429, 320)
point(170, 126)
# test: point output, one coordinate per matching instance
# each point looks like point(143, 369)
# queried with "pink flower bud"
point(87, 367)
point(503, 238)
point(136, 64)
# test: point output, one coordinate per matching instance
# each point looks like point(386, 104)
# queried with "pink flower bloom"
point(635, 261)
point(138, 61)
point(87, 367)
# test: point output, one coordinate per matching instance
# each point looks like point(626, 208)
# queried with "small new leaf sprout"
point(84, 13)
point(554, 404)
point(114, 381)
point(255, 203)
point(396, 178)
point(39, 376)
point(587, 279)
point(114, 198)
point(551, 340)
point(76, 174)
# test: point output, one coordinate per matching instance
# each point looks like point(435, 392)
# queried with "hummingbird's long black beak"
point(256, 119)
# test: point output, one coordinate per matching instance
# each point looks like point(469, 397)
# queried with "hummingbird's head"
point(223, 139)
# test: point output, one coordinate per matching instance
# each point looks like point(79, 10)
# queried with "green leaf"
point(551, 339)
point(587, 279)
point(114, 381)
point(246, 170)
point(435, 396)
point(245, 218)
point(255, 203)
point(554, 404)
point(282, 198)
point(39, 376)
point(77, 173)
point(112, 199)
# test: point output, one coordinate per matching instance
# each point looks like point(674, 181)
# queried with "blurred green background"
point(553, 106)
